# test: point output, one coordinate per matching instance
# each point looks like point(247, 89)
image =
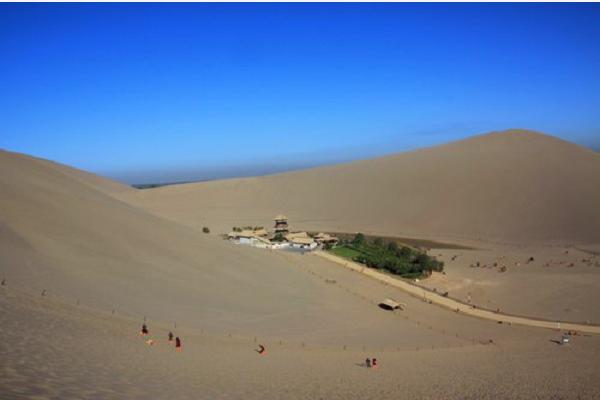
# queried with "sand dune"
point(61, 233)
point(509, 194)
point(513, 186)
point(79, 243)
point(107, 256)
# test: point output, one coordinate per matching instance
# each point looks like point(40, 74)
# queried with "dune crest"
point(514, 186)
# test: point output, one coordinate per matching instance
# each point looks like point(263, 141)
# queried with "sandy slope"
point(560, 284)
point(52, 350)
point(13, 161)
point(511, 194)
point(468, 307)
point(511, 187)
point(78, 242)
point(92, 248)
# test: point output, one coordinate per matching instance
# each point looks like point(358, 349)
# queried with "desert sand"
point(512, 187)
point(85, 261)
point(560, 284)
point(512, 194)
point(52, 349)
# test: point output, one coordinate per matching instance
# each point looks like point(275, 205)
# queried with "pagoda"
point(281, 224)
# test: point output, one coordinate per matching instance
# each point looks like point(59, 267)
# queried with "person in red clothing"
point(177, 344)
point(261, 350)
point(374, 363)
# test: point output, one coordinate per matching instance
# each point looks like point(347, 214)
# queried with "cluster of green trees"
point(403, 261)
point(247, 228)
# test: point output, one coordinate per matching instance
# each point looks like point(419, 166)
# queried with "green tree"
point(358, 240)
point(405, 252)
point(392, 247)
point(422, 259)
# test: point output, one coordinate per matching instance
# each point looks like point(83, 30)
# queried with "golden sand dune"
point(63, 233)
point(83, 263)
point(513, 186)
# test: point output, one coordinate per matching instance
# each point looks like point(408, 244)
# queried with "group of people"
point(149, 341)
point(371, 363)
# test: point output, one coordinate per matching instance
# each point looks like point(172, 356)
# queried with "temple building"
point(281, 224)
point(281, 237)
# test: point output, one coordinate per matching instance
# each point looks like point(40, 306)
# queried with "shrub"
point(205, 230)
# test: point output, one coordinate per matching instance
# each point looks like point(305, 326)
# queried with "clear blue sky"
point(155, 92)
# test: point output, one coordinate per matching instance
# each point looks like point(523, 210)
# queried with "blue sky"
point(162, 92)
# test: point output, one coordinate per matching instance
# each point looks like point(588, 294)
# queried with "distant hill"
point(514, 186)
point(157, 185)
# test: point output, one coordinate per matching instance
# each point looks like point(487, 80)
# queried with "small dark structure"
point(391, 305)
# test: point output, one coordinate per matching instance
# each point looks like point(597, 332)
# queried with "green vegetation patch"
point(388, 256)
point(403, 241)
point(345, 251)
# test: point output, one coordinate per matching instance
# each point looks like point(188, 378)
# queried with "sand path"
point(454, 304)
